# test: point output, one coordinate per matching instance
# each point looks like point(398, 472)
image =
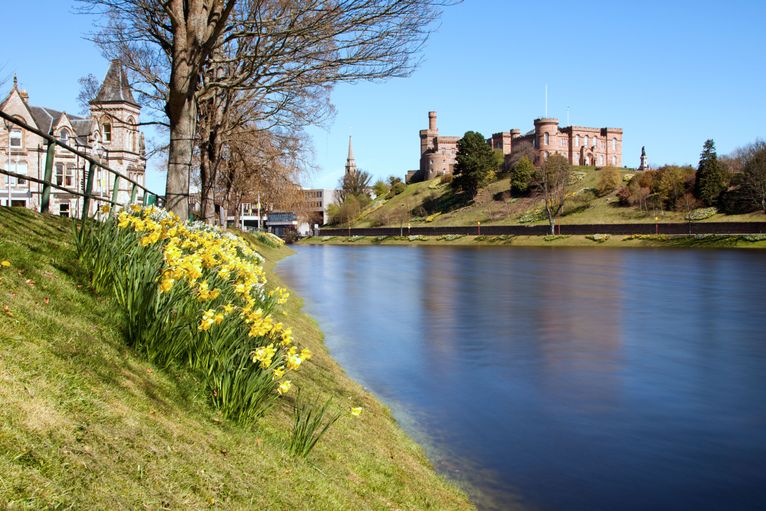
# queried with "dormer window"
point(16, 137)
point(64, 136)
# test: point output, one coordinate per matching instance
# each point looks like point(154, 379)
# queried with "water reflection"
point(561, 379)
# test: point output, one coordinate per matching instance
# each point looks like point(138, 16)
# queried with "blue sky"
point(671, 74)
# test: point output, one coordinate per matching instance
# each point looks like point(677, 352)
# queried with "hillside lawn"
point(493, 206)
point(87, 424)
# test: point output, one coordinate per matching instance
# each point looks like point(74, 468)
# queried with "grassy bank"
point(432, 203)
point(87, 424)
point(612, 241)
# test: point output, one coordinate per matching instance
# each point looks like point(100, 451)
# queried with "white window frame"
point(16, 138)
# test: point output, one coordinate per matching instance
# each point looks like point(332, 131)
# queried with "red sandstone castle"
point(599, 147)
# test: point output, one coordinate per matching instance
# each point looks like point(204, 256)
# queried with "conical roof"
point(115, 88)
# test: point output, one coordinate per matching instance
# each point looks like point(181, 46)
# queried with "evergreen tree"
point(475, 163)
point(712, 177)
point(522, 174)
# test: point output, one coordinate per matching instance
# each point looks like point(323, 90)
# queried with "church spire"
point(350, 163)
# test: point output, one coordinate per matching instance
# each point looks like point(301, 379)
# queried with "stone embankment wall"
point(575, 229)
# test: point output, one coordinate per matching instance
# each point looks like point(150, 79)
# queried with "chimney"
point(432, 121)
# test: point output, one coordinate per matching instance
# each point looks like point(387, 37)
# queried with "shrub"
point(532, 216)
point(701, 214)
point(522, 175)
point(397, 188)
point(598, 238)
point(380, 188)
point(608, 181)
point(446, 179)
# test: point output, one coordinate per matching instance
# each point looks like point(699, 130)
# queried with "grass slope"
point(492, 206)
point(86, 424)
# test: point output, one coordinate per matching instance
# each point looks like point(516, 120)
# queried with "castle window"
point(546, 139)
point(614, 144)
point(614, 161)
point(586, 141)
point(595, 143)
point(600, 160)
point(577, 140)
point(562, 142)
point(546, 155)
point(16, 137)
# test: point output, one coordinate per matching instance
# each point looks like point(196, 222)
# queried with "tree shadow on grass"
point(446, 202)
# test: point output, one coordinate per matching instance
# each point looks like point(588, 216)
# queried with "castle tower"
point(546, 133)
point(350, 162)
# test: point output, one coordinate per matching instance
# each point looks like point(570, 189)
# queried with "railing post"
point(46, 197)
point(88, 190)
point(115, 193)
point(133, 193)
point(146, 197)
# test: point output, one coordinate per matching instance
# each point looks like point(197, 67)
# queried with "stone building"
point(599, 147)
point(110, 132)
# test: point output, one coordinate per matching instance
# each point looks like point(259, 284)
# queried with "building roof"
point(115, 88)
point(46, 118)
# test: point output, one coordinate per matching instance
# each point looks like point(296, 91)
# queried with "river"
point(560, 379)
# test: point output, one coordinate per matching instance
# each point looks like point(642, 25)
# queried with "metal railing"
point(92, 165)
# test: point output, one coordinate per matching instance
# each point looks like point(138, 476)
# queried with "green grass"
point(493, 207)
point(87, 424)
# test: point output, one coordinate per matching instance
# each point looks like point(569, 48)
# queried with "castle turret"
point(546, 132)
point(428, 137)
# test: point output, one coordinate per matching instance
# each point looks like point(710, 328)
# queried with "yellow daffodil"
point(284, 387)
point(208, 319)
point(356, 411)
point(5, 263)
point(279, 372)
point(166, 285)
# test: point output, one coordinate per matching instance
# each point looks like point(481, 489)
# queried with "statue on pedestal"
point(644, 163)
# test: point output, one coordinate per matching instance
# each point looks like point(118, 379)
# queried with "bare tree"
point(275, 46)
point(266, 165)
point(89, 86)
point(552, 179)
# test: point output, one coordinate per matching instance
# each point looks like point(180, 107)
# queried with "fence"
point(574, 229)
point(92, 165)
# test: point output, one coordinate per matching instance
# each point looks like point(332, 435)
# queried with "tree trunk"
point(207, 178)
point(182, 112)
point(551, 220)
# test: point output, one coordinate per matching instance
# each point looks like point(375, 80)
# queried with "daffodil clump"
point(196, 295)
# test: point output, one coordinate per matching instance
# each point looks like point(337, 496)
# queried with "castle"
point(581, 145)
point(110, 132)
